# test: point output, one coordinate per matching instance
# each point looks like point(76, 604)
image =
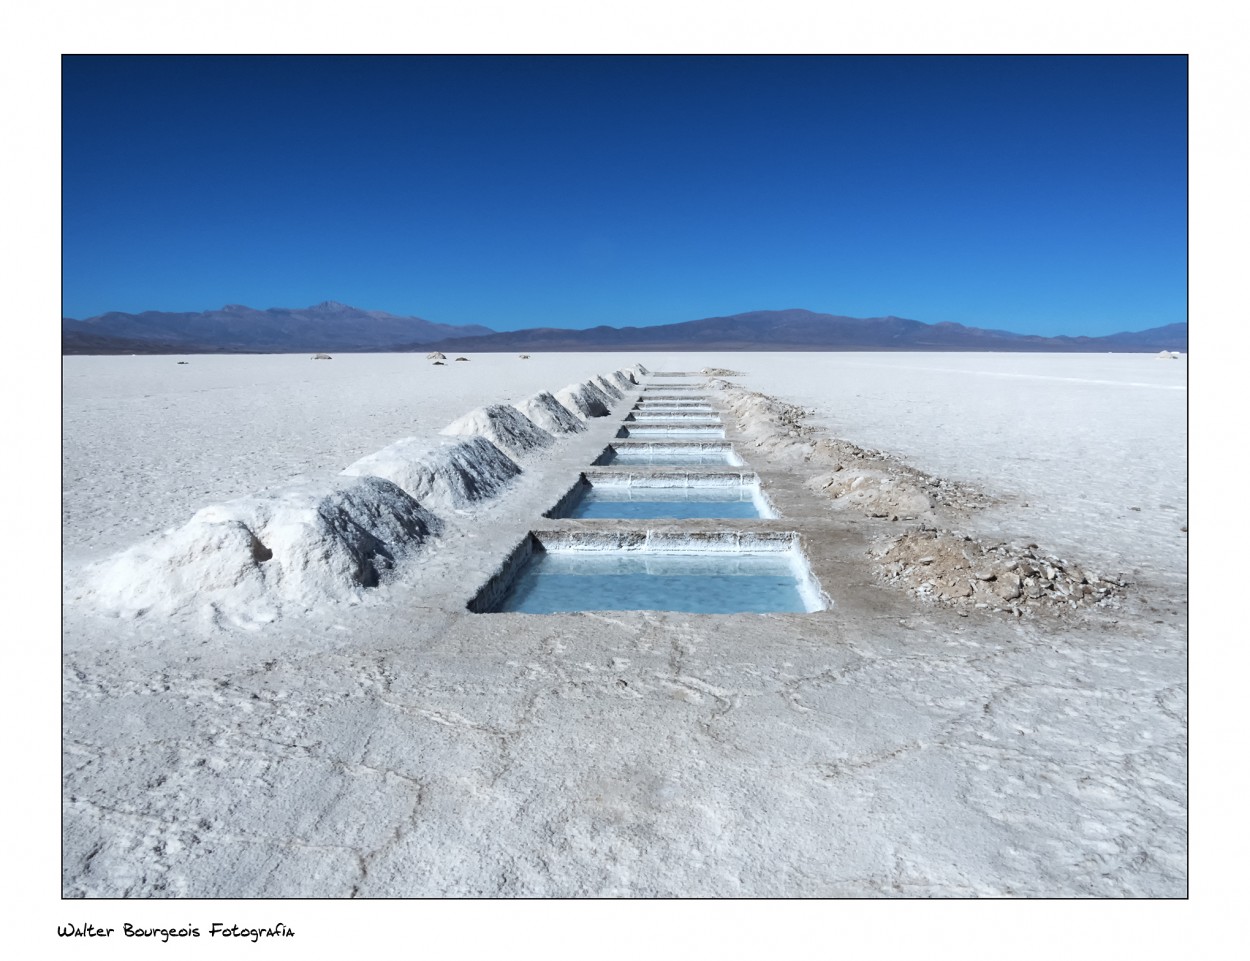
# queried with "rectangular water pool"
point(669, 406)
point(648, 415)
point(672, 431)
point(671, 495)
point(550, 574)
point(709, 453)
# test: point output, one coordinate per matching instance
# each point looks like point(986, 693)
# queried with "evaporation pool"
point(671, 402)
point(711, 454)
point(675, 496)
point(670, 431)
point(698, 582)
point(646, 415)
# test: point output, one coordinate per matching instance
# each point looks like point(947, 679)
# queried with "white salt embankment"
point(245, 558)
point(445, 475)
point(504, 426)
point(584, 400)
point(549, 414)
point(609, 387)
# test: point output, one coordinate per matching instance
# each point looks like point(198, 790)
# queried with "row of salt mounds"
point(503, 425)
point(585, 400)
point(245, 560)
point(549, 414)
point(447, 475)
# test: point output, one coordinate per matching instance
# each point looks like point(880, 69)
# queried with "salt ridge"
point(247, 561)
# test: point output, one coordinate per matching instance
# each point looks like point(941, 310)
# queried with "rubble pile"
point(957, 569)
point(874, 482)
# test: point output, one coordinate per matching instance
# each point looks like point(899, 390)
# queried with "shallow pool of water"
point(670, 416)
point(696, 583)
point(612, 501)
point(669, 455)
point(646, 403)
point(670, 431)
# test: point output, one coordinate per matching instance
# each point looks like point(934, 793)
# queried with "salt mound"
point(549, 414)
point(506, 426)
point(599, 393)
point(452, 476)
point(247, 559)
point(639, 370)
point(584, 400)
point(607, 386)
point(622, 379)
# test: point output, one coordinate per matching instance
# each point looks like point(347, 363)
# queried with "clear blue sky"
point(1035, 194)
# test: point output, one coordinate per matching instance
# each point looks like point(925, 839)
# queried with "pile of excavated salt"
point(246, 558)
point(445, 475)
point(502, 424)
point(584, 400)
point(609, 387)
point(549, 414)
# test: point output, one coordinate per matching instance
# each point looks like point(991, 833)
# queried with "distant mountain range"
point(239, 329)
point(333, 326)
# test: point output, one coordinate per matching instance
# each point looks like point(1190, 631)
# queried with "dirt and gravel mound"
point(943, 565)
point(957, 569)
point(875, 482)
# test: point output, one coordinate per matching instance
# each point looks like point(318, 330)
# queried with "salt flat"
point(398, 745)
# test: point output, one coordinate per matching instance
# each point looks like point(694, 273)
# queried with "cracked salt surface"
point(401, 746)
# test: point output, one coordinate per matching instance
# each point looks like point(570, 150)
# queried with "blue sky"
point(1034, 194)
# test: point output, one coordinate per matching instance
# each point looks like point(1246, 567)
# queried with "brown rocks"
point(958, 570)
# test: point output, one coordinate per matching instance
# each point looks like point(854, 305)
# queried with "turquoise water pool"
point(669, 455)
point(670, 431)
point(696, 583)
point(612, 501)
